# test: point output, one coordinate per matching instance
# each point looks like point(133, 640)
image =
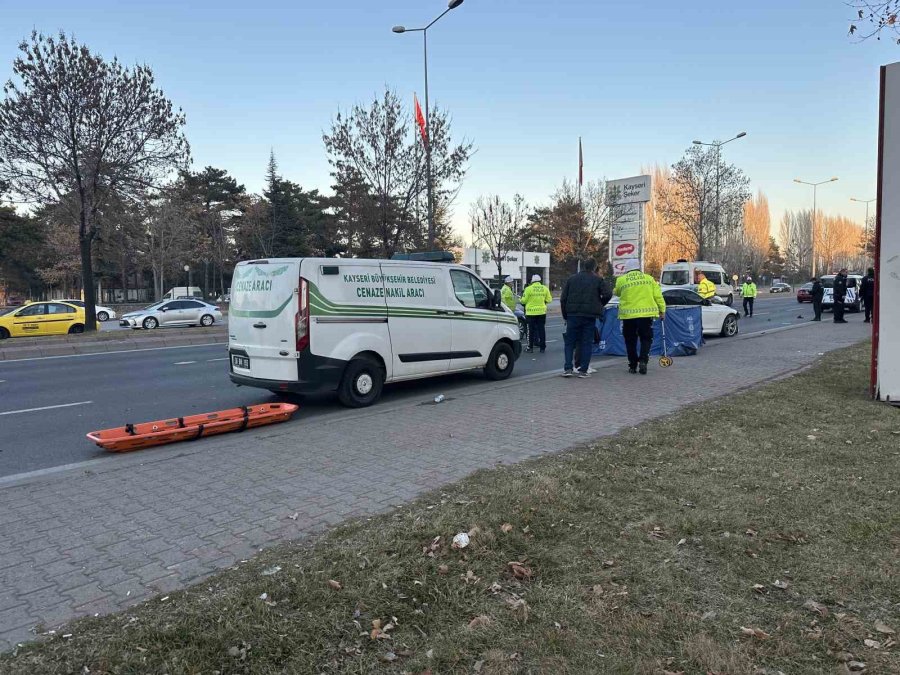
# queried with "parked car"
point(804, 293)
point(102, 313)
point(780, 288)
point(717, 317)
point(169, 313)
point(43, 318)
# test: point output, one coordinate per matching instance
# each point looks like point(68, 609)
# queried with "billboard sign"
point(626, 249)
point(634, 190)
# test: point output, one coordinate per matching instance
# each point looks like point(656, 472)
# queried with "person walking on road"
point(839, 294)
point(581, 303)
point(817, 293)
point(867, 292)
point(748, 291)
point(535, 299)
point(705, 288)
point(640, 302)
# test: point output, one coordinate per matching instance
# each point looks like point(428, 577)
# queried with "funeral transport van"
point(314, 325)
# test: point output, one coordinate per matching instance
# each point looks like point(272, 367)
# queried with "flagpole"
point(580, 205)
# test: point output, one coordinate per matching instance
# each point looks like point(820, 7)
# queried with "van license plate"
point(240, 361)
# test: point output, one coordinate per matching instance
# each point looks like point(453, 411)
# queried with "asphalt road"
point(47, 405)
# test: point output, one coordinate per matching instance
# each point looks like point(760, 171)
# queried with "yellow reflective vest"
point(706, 289)
point(508, 297)
point(748, 290)
point(639, 296)
point(535, 299)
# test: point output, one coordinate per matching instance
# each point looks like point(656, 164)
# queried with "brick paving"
point(107, 535)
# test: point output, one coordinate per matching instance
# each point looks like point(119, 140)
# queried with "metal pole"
point(718, 199)
point(814, 220)
point(428, 148)
point(866, 236)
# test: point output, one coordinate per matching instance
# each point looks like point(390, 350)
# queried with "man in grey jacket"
point(582, 301)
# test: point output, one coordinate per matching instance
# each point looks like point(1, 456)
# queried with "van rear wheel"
point(500, 364)
point(362, 383)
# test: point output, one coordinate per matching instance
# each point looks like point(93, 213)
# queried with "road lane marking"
point(46, 407)
point(224, 358)
point(184, 363)
point(224, 345)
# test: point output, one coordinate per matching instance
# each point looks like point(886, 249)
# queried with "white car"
point(169, 313)
point(103, 313)
point(718, 318)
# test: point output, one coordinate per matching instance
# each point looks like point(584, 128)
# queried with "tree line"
point(96, 158)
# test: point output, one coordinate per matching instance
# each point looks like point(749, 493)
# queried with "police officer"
point(839, 295)
point(507, 295)
point(817, 293)
point(867, 292)
point(748, 291)
point(640, 302)
point(535, 299)
point(705, 287)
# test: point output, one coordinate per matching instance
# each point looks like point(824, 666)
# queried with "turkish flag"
point(420, 119)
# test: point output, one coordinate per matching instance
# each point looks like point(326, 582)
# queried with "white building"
point(520, 265)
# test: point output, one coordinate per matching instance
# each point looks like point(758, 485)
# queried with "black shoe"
point(867, 321)
point(642, 369)
point(632, 369)
point(840, 320)
point(816, 319)
point(528, 350)
point(543, 349)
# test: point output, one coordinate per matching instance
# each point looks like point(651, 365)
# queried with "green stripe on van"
point(261, 313)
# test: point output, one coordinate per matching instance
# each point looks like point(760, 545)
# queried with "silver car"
point(170, 313)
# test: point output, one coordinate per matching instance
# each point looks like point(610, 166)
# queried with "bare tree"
point(879, 17)
point(170, 222)
point(704, 200)
point(72, 123)
point(498, 226)
point(378, 146)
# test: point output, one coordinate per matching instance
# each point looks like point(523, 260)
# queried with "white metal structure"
point(683, 274)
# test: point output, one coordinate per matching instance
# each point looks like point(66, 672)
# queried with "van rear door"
point(262, 335)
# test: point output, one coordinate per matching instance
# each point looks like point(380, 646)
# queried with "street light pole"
point(718, 146)
point(451, 5)
point(865, 226)
point(815, 217)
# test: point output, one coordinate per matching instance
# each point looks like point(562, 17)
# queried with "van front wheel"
point(500, 364)
point(362, 383)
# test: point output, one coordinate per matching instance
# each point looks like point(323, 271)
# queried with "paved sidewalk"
point(108, 534)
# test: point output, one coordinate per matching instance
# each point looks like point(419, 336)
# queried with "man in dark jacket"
point(582, 301)
point(867, 292)
point(839, 295)
point(817, 293)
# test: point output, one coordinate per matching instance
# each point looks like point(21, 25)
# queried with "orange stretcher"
point(149, 434)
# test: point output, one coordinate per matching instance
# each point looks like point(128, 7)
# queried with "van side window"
point(462, 288)
point(715, 277)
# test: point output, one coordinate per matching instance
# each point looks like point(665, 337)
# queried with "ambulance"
point(350, 326)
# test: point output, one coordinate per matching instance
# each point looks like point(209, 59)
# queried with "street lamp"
point(187, 268)
point(815, 218)
point(718, 146)
point(866, 225)
point(451, 5)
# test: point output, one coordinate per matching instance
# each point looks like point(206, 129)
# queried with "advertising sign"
point(626, 199)
point(634, 190)
point(886, 335)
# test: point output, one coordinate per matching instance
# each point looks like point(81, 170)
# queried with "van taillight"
point(301, 319)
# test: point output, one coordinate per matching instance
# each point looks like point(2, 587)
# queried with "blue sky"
point(522, 79)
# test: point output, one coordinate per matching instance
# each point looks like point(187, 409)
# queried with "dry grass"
point(639, 554)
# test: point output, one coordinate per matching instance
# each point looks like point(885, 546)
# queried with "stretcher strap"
point(181, 423)
point(246, 418)
point(199, 433)
point(129, 429)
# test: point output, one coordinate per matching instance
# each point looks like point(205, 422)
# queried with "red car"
point(804, 293)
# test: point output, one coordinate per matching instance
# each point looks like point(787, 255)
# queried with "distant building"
point(520, 265)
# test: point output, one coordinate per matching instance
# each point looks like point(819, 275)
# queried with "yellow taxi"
point(42, 318)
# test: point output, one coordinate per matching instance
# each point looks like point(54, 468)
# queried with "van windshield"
point(675, 278)
point(828, 282)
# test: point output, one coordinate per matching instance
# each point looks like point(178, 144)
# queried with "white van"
point(683, 274)
point(180, 292)
point(310, 325)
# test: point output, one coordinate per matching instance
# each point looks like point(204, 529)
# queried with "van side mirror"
point(497, 299)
